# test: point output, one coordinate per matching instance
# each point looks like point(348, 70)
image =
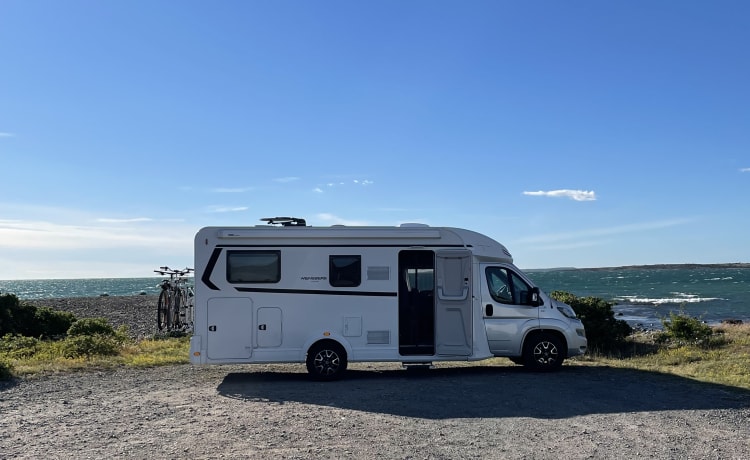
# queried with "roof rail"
point(285, 221)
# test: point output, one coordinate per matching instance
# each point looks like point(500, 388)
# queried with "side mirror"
point(535, 299)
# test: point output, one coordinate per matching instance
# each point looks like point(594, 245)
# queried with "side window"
point(345, 271)
point(507, 287)
point(521, 290)
point(421, 279)
point(253, 266)
point(499, 284)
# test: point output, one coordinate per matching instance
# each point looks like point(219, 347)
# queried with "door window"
point(507, 287)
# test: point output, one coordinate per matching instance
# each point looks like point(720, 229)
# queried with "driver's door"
point(507, 307)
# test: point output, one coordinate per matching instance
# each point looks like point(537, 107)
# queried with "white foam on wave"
point(679, 298)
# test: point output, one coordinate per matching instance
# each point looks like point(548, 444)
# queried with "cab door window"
point(507, 287)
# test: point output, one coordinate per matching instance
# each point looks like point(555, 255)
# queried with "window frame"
point(262, 252)
point(514, 283)
point(333, 270)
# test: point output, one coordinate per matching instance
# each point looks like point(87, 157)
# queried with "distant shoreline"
point(642, 267)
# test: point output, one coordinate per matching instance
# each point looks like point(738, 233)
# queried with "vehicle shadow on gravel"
point(8, 384)
point(497, 392)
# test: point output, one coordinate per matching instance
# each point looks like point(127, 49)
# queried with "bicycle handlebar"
point(172, 272)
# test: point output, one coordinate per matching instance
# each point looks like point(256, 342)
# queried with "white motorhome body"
point(326, 296)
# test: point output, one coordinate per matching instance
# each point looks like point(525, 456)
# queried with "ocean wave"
point(677, 299)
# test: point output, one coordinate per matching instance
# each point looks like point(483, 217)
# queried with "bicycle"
point(174, 309)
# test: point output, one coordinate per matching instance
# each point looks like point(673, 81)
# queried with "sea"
point(643, 295)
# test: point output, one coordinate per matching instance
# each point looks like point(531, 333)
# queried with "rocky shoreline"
point(137, 312)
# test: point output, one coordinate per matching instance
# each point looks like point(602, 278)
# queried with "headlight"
point(567, 311)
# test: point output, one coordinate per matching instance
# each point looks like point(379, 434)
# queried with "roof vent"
point(413, 224)
point(285, 221)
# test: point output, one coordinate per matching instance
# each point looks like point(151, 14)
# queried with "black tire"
point(177, 304)
point(162, 311)
point(326, 360)
point(543, 352)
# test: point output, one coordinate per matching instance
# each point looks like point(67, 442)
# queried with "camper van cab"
point(286, 292)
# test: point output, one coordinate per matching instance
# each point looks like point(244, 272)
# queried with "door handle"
point(488, 310)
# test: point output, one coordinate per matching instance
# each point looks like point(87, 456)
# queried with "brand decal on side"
point(313, 278)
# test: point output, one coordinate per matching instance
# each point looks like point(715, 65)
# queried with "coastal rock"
point(731, 321)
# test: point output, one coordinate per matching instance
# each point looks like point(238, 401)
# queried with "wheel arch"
point(321, 338)
point(558, 334)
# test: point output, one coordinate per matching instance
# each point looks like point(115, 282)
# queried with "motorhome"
point(286, 292)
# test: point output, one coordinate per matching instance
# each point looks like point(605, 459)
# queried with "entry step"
point(419, 365)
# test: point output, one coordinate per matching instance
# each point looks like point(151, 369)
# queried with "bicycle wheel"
point(162, 311)
point(176, 305)
point(189, 310)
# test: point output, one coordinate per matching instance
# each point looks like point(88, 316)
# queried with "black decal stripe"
point(413, 246)
point(318, 292)
point(206, 278)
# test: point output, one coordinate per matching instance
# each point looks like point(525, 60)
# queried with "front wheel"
point(543, 352)
point(162, 311)
point(326, 361)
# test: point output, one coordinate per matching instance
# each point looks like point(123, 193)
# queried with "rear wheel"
point(326, 361)
point(176, 320)
point(162, 311)
point(543, 352)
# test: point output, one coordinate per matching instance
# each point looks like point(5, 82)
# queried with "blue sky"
point(581, 134)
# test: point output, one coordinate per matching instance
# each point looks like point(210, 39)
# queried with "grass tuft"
point(157, 352)
point(722, 358)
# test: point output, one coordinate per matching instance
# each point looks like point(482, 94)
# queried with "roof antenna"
point(285, 221)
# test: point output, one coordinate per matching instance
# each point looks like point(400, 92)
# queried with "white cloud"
point(745, 170)
point(227, 208)
point(31, 234)
point(330, 219)
point(285, 180)
point(317, 190)
point(7, 135)
point(598, 232)
point(362, 182)
point(108, 220)
point(231, 190)
point(577, 195)
point(52, 242)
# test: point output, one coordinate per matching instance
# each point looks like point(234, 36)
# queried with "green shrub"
point(8, 304)
point(6, 370)
point(27, 320)
point(603, 331)
point(15, 317)
point(90, 345)
point(684, 329)
point(93, 337)
point(91, 326)
point(18, 346)
point(52, 323)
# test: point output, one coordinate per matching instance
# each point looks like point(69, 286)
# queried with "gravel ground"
point(378, 410)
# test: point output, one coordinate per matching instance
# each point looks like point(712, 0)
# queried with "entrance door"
point(230, 328)
point(453, 301)
point(416, 302)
